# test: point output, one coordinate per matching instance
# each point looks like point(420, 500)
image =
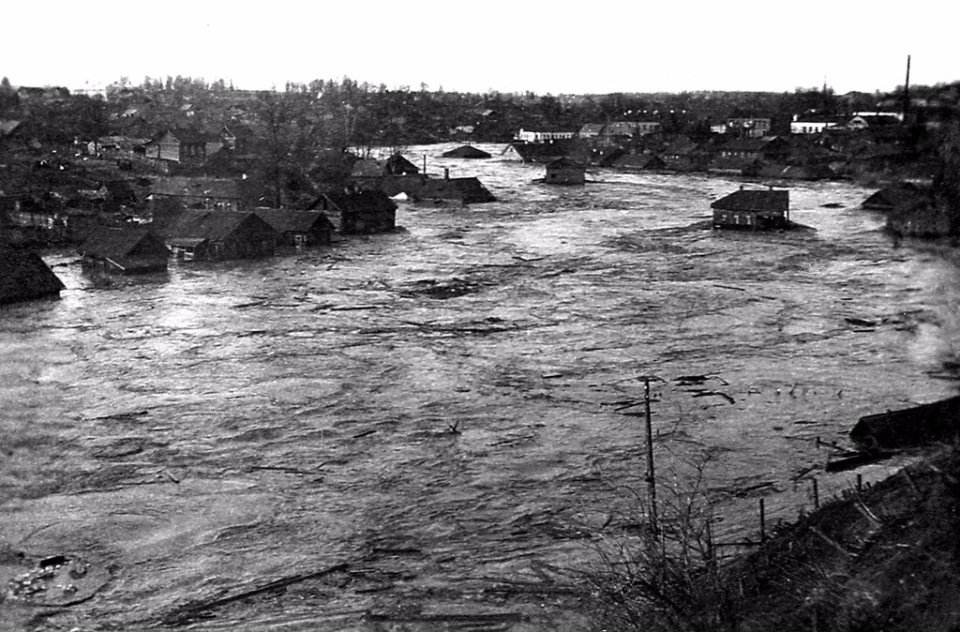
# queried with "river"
point(410, 431)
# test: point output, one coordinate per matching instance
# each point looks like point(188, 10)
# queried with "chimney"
point(446, 173)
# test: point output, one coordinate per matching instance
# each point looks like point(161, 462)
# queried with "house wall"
point(360, 222)
point(565, 176)
point(749, 220)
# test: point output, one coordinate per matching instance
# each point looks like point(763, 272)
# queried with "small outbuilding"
point(466, 151)
point(124, 251)
point(565, 171)
point(753, 210)
point(24, 276)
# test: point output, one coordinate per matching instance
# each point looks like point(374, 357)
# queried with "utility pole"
point(651, 479)
point(906, 91)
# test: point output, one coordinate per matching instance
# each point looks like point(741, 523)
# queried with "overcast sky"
point(555, 47)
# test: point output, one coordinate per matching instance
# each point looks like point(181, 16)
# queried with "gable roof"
point(397, 164)
point(469, 190)
point(754, 200)
point(105, 242)
point(214, 225)
point(358, 202)
point(293, 221)
point(25, 276)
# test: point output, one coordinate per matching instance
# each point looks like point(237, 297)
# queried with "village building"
point(590, 130)
point(183, 147)
point(532, 136)
point(197, 193)
point(354, 212)
point(630, 129)
point(811, 124)
point(300, 229)
point(25, 276)
point(217, 235)
point(397, 165)
point(751, 127)
point(897, 195)
point(536, 152)
point(466, 151)
point(752, 210)
point(466, 190)
point(124, 251)
point(564, 171)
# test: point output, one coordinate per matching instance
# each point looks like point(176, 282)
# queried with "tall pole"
point(906, 91)
point(651, 480)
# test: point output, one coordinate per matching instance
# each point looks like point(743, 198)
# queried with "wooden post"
point(763, 522)
point(816, 495)
point(859, 483)
point(651, 479)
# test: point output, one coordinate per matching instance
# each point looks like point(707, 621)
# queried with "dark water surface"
point(232, 425)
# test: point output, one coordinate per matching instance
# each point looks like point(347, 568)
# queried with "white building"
point(530, 136)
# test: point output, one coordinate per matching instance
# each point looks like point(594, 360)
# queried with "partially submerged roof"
point(25, 276)
point(357, 202)
point(466, 151)
point(105, 242)
point(215, 225)
point(289, 221)
point(754, 200)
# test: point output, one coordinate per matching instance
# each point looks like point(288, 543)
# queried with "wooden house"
point(590, 130)
point(187, 148)
point(298, 228)
point(565, 171)
point(896, 195)
point(467, 190)
point(359, 211)
point(197, 193)
point(537, 152)
point(24, 276)
point(124, 251)
point(753, 210)
point(466, 151)
point(217, 235)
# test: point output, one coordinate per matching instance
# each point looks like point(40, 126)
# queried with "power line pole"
point(651, 478)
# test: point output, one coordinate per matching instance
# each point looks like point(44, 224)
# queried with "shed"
point(124, 251)
point(217, 235)
point(360, 211)
point(466, 151)
point(752, 210)
point(298, 228)
point(565, 171)
point(24, 276)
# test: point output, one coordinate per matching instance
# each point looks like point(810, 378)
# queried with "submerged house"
point(753, 210)
point(565, 171)
point(896, 195)
point(468, 190)
point(298, 228)
point(466, 151)
point(24, 276)
point(124, 251)
point(217, 235)
point(359, 211)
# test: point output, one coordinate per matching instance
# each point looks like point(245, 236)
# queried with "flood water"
point(438, 414)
